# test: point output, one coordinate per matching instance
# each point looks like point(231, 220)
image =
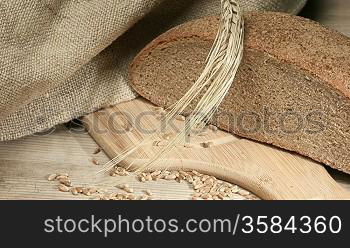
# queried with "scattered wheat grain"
point(63, 174)
point(65, 181)
point(129, 128)
point(61, 177)
point(207, 144)
point(52, 177)
point(243, 192)
point(203, 134)
point(86, 192)
point(97, 150)
point(188, 145)
point(94, 161)
point(213, 128)
point(63, 188)
point(170, 177)
point(74, 191)
point(180, 118)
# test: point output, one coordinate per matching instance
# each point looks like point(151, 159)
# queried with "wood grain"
point(25, 163)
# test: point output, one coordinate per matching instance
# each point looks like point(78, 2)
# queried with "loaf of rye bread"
point(292, 89)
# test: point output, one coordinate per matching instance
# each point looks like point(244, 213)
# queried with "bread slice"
point(292, 89)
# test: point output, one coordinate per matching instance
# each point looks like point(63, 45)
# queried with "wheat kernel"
point(93, 190)
point(94, 161)
point(162, 143)
point(167, 136)
point(129, 128)
point(52, 177)
point(74, 191)
point(184, 173)
point(206, 196)
point(63, 174)
point(188, 145)
point(209, 181)
point(131, 197)
point(203, 134)
point(180, 118)
point(66, 182)
point(204, 178)
point(97, 151)
point(148, 192)
point(79, 189)
point(123, 186)
point(189, 178)
point(170, 177)
point(207, 144)
point(158, 109)
point(156, 173)
point(235, 189)
point(105, 198)
point(205, 189)
point(149, 177)
point(86, 192)
point(61, 177)
point(196, 173)
point(198, 186)
point(128, 190)
point(238, 197)
point(243, 192)
point(196, 195)
point(213, 128)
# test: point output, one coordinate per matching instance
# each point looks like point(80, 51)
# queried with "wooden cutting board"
point(270, 173)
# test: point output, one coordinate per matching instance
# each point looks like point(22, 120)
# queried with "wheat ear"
point(221, 68)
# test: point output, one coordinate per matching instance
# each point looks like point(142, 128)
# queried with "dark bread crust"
point(291, 67)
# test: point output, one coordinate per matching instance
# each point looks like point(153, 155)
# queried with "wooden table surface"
point(26, 163)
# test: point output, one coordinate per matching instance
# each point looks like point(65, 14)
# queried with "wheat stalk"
point(221, 67)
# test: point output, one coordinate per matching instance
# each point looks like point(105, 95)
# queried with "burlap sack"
point(61, 59)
